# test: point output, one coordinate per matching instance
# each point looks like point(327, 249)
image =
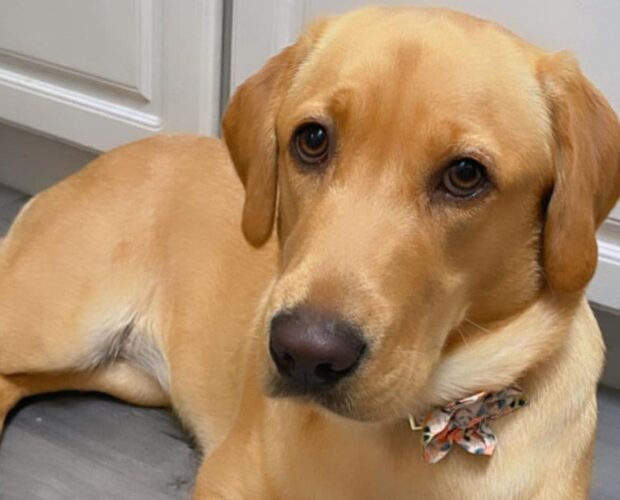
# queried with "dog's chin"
point(334, 400)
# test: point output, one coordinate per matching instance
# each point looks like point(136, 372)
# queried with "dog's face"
point(425, 164)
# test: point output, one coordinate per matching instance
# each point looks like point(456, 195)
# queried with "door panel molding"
point(605, 287)
point(99, 38)
point(169, 81)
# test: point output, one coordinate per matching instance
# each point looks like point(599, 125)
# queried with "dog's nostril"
point(329, 373)
point(287, 360)
point(326, 372)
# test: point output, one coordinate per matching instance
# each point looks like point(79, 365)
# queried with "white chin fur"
point(500, 357)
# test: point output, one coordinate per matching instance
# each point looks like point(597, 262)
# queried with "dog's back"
point(94, 270)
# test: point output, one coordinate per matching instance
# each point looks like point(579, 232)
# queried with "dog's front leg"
point(230, 481)
point(235, 471)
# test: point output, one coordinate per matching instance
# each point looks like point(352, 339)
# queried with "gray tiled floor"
point(94, 448)
point(67, 447)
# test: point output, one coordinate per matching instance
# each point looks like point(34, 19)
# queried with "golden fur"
point(133, 278)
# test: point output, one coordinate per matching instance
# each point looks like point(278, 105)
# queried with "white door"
point(589, 29)
point(99, 73)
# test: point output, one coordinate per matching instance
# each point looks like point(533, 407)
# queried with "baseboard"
point(605, 286)
point(610, 326)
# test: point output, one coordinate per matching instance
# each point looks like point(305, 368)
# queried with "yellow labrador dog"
point(435, 184)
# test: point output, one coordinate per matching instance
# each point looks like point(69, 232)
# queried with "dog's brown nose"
point(314, 348)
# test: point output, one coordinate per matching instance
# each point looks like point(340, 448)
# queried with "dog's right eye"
point(311, 143)
point(464, 178)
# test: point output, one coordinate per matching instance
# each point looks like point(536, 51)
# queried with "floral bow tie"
point(466, 423)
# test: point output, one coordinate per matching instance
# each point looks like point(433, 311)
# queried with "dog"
point(435, 184)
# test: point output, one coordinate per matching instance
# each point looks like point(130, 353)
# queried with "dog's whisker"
point(462, 335)
point(480, 327)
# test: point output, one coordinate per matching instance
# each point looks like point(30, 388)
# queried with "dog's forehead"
point(410, 36)
point(433, 48)
point(424, 66)
point(436, 50)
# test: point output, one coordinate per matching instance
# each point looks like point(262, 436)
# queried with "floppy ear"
point(249, 132)
point(587, 172)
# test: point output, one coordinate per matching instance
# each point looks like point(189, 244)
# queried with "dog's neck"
point(504, 355)
point(479, 378)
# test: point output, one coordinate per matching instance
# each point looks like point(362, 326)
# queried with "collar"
point(466, 423)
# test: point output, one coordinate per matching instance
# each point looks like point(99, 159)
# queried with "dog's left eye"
point(464, 177)
point(311, 143)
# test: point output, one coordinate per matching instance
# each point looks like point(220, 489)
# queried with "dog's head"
point(427, 171)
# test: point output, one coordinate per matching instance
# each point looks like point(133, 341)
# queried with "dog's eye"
point(311, 143)
point(464, 177)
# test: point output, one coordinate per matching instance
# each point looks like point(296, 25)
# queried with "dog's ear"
point(249, 132)
point(587, 172)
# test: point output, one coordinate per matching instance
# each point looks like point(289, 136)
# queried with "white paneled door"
point(99, 73)
point(589, 29)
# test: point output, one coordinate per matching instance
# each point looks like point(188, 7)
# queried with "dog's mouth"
point(334, 397)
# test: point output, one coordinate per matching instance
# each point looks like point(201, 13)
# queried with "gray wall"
point(31, 162)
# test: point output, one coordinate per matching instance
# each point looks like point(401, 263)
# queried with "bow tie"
point(466, 423)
